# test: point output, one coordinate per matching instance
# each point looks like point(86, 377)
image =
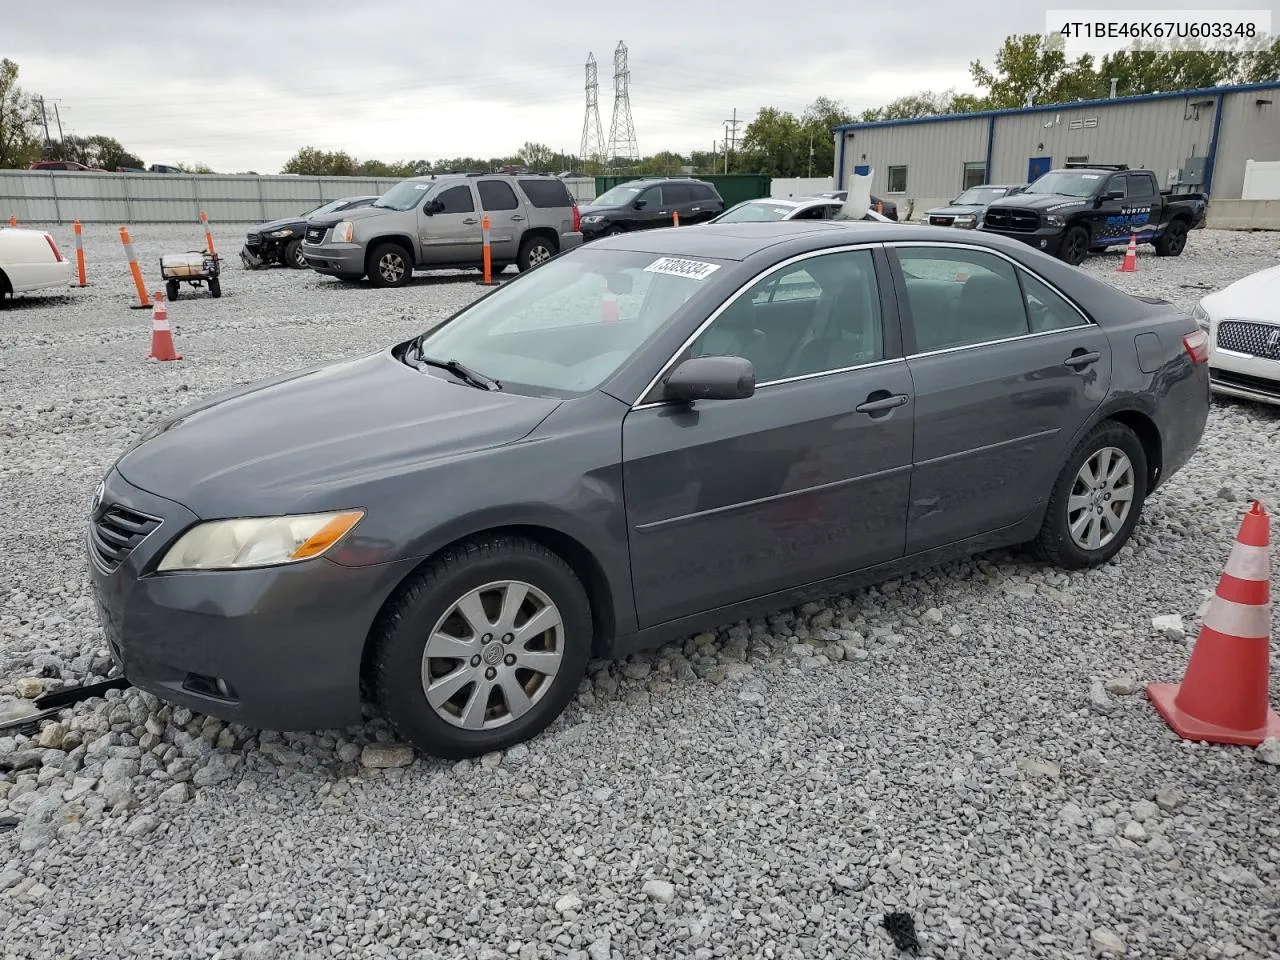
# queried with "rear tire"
point(1173, 241)
point(534, 251)
point(1075, 246)
point(389, 265)
point(1083, 501)
point(293, 255)
point(422, 638)
point(6, 291)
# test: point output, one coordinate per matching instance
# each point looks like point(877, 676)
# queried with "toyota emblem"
point(98, 492)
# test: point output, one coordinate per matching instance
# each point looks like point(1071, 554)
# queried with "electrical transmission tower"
point(622, 130)
point(592, 134)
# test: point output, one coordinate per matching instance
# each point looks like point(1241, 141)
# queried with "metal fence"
point(56, 196)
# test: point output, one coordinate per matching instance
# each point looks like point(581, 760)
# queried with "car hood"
point(592, 209)
point(959, 210)
point(297, 223)
point(311, 439)
point(1255, 297)
point(355, 213)
point(1044, 202)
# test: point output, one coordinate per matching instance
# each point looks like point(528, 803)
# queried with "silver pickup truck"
point(430, 223)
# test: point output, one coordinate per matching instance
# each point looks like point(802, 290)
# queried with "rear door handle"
point(471, 220)
point(516, 216)
point(881, 403)
point(1078, 361)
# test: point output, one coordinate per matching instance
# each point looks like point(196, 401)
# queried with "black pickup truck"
point(1074, 211)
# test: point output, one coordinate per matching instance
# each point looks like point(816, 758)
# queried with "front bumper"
point(1046, 239)
point(594, 231)
point(276, 648)
point(335, 259)
point(1253, 378)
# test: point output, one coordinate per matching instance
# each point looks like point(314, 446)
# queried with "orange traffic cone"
point(1223, 697)
point(609, 308)
point(1130, 264)
point(675, 218)
point(162, 347)
point(13, 221)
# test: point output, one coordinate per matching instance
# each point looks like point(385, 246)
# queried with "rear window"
point(703, 191)
point(546, 193)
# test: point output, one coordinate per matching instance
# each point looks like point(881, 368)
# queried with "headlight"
point(343, 231)
point(1201, 317)
point(286, 232)
point(594, 218)
point(966, 221)
point(258, 541)
point(1054, 220)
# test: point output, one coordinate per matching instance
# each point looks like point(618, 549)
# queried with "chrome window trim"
point(733, 298)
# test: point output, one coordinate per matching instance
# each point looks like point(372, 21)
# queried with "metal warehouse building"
point(1193, 139)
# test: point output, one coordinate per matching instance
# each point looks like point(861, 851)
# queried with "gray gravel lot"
point(770, 790)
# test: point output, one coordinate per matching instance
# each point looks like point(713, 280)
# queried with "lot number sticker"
point(679, 267)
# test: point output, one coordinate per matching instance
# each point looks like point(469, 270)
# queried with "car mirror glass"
point(710, 378)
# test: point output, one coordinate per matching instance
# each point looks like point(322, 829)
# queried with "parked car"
point(966, 211)
point(280, 241)
point(887, 207)
point(765, 209)
point(648, 436)
point(67, 165)
point(650, 202)
point(427, 223)
point(1078, 210)
point(30, 260)
point(1242, 321)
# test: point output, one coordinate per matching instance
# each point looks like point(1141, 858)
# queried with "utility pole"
point(44, 117)
point(57, 115)
point(811, 155)
point(730, 137)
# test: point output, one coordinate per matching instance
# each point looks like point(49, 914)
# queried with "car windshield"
point(981, 195)
point(622, 194)
point(565, 327)
point(756, 211)
point(324, 208)
point(403, 196)
point(1066, 183)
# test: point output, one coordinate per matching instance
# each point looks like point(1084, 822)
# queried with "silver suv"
point(429, 223)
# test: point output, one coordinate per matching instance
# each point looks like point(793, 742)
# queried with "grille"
point(115, 532)
point(316, 234)
point(1015, 221)
point(1255, 339)
point(1270, 388)
point(942, 221)
point(253, 240)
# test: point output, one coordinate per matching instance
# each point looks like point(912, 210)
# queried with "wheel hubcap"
point(493, 655)
point(539, 254)
point(1100, 499)
point(391, 267)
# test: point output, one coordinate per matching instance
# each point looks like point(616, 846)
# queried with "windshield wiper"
point(459, 370)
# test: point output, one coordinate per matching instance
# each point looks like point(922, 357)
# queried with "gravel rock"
point(884, 777)
point(570, 903)
point(1121, 686)
point(1039, 768)
point(1106, 941)
point(1268, 752)
point(1099, 702)
point(1170, 625)
point(384, 755)
point(29, 688)
point(659, 890)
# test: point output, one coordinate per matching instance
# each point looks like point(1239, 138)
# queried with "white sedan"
point(30, 260)
point(1243, 323)
point(788, 208)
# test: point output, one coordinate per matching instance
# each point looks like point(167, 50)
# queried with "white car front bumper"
point(1244, 359)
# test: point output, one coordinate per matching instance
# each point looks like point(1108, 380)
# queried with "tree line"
point(1027, 68)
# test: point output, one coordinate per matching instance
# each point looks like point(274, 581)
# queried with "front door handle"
point(471, 220)
point(880, 401)
point(1078, 361)
point(696, 209)
point(516, 216)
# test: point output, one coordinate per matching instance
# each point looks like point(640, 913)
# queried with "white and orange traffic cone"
point(1130, 263)
point(162, 346)
point(609, 308)
point(675, 218)
point(1223, 697)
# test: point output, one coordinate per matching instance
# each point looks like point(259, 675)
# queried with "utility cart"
point(194, 267)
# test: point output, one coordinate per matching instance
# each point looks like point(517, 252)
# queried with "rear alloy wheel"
point(1075, 246)
point(1097, 499)
point(534, 251)
point(1172, 242)
point(389, 265)
point(483, 648)
point(293, 255)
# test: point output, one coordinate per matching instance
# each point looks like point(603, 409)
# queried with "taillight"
point(54, 247)
point(1197, 346)
point(577, 219)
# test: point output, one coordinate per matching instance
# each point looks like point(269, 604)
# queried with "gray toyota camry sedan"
point(655, 434)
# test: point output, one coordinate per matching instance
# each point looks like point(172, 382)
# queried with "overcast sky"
point(241, 85)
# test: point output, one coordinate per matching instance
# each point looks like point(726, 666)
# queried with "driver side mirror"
point(710, 378)
point(432, 207)
point(1114, 195)
point(640, 204)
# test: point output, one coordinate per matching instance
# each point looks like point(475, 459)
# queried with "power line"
point(730, 138)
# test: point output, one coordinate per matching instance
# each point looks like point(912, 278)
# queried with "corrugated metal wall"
point(933, 153)
point(37, 196)
point(1254, 134)
point(1156, 135)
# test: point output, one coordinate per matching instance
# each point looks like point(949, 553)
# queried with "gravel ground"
point(970, 746)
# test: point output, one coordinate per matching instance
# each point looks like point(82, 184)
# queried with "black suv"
point(650, 202)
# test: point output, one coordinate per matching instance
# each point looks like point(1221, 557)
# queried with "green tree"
point(314, 162)
point(538, 157)
point(19, 121)
point(818, 120)
point(1033, 66)
point(774, 143)
point(665, 163)
point(96, 151)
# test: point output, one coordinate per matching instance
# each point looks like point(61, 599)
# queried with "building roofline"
point(1052, 107)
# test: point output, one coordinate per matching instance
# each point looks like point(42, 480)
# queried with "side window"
point(702, 191)
point(960, 297)
point(546, 193)
point(1046, 309)
point(832, 321)
point(1118, 182)
point(1140, 187)
point(673, 193)
point(497, 195)
point(649, 198)
point(457, 200)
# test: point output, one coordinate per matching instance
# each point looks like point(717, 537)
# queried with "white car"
point(788, 208)
point(30, 260)
point(1243, 323)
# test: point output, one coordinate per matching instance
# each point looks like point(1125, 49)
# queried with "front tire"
point(389, 265)
point(293, 255)
point(171, 290)
point(1097, 499)
point(1173, 241)
point(483, 648)
point(1075, 246)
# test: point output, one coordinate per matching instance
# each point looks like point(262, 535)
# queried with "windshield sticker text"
point(421, 186)
point(1090, 176)
point(679, 267)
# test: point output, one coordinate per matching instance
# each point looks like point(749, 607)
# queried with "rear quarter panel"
point(28, 261)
